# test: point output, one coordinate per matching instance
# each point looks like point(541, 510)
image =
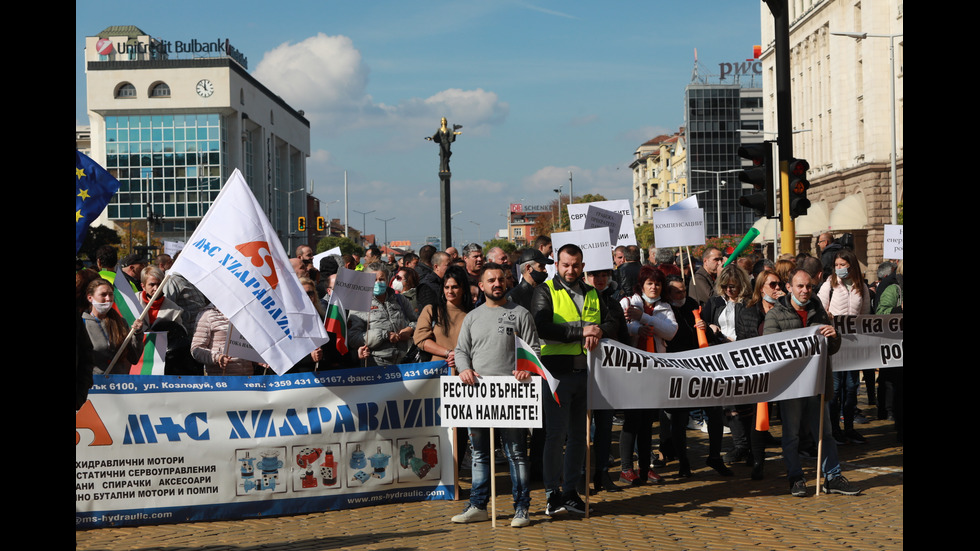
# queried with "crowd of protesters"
point(421, 301)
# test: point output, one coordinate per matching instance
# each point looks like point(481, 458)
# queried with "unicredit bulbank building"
point(171, 119)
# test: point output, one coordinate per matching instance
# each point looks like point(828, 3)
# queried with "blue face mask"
point(798, 303)
point(379, 288)
point(769, 299)
point(841, 273)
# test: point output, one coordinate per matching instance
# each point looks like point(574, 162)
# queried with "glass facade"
point(171, 162)
point(713, 119)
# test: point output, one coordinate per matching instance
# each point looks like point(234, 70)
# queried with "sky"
point(540, 87)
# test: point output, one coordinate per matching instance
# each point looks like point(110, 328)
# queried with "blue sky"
point(540, 87)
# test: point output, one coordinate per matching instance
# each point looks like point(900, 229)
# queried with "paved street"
point(704, 512)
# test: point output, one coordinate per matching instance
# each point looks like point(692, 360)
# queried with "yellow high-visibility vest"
point(565, 312)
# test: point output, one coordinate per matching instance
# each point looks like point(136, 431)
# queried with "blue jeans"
point(563, 461)
point(805, 410)
point(846, 384)
point(514, 443)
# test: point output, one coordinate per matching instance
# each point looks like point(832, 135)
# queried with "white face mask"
point(397, 285)
point(102, 307)
point(649, 300)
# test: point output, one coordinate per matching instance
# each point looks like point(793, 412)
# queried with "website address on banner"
point(119, 517)
point(388, 496)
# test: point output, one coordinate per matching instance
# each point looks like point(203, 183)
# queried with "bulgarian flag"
point(126, 302)
point(336, 322)
point(154, 355)
point(527, 360)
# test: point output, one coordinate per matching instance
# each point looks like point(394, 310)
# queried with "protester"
point(794, 311)
point(673, 421)
point(650, 321)
point(751, 323)
point(162, 309)
point(107, 330)
point(486, 346)
point(570, 320)
point(438, 325)
point(603, 418)
point(384, 335)
point(845, 294)
point(210, 342)
point(532, 265)
point(406, 283)
point(703, 282)
point(890, 394)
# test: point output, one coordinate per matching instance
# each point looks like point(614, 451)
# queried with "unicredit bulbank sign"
point(105, 47)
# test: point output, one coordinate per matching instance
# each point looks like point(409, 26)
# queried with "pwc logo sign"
point(258, 252)
point(751, 66)
point(87, 418)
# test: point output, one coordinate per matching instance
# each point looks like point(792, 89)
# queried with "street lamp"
point(479, 235)
point(558, 210)
point(363, 223)
point(891, 59)
point(718, 184)
point(386, 220)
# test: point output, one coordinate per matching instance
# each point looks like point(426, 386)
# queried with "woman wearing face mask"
point(650, 320)
point(720, 313)
point(107, 329)
point(749, 324)
point(845, 294)
point(383, 335)
point(406, 283)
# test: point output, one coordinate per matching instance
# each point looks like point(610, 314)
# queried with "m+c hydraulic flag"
point(235, 259)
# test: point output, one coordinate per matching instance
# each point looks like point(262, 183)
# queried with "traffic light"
point(760, 177)
point(320, 225)
point(301, 223)
point(798, 184)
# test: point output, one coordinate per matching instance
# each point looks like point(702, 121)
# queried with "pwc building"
point(172, 119)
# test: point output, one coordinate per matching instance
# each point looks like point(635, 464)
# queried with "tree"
point(644, 235)
point(98, 236)
point(507, 246)
point(347, 246)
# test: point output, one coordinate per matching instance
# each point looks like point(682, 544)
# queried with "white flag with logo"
point(235, 259)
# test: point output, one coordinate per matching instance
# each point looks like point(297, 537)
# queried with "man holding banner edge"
point(794, 311)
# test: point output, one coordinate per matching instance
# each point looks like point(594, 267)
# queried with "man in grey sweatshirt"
point(486, 346)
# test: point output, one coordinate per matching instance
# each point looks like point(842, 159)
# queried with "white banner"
point(774, 367)
point(332, 252)
point(498, 402)
point(238, 347)
point(235, 259)
point(172, 247)
point(678, 228)
point(596, 251)
point(577, 213)
point(892, 246)
point(354, 289)
point(869, 342)
point(160, 449)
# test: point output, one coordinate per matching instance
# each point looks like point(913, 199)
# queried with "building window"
point(126, 90)
point(160, 90)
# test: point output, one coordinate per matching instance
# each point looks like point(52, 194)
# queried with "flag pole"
point(820, 444)
point(129, 336)
point(493, 480)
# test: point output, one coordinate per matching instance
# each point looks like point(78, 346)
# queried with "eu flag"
point(93, 189)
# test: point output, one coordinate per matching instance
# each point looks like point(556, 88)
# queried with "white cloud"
point(327, 78)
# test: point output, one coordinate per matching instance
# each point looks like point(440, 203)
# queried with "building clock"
point(205, 88)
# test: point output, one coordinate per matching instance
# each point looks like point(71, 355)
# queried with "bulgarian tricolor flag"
point(126, 301)
point(527, 360)
point(154, 355)
point(336, 322)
